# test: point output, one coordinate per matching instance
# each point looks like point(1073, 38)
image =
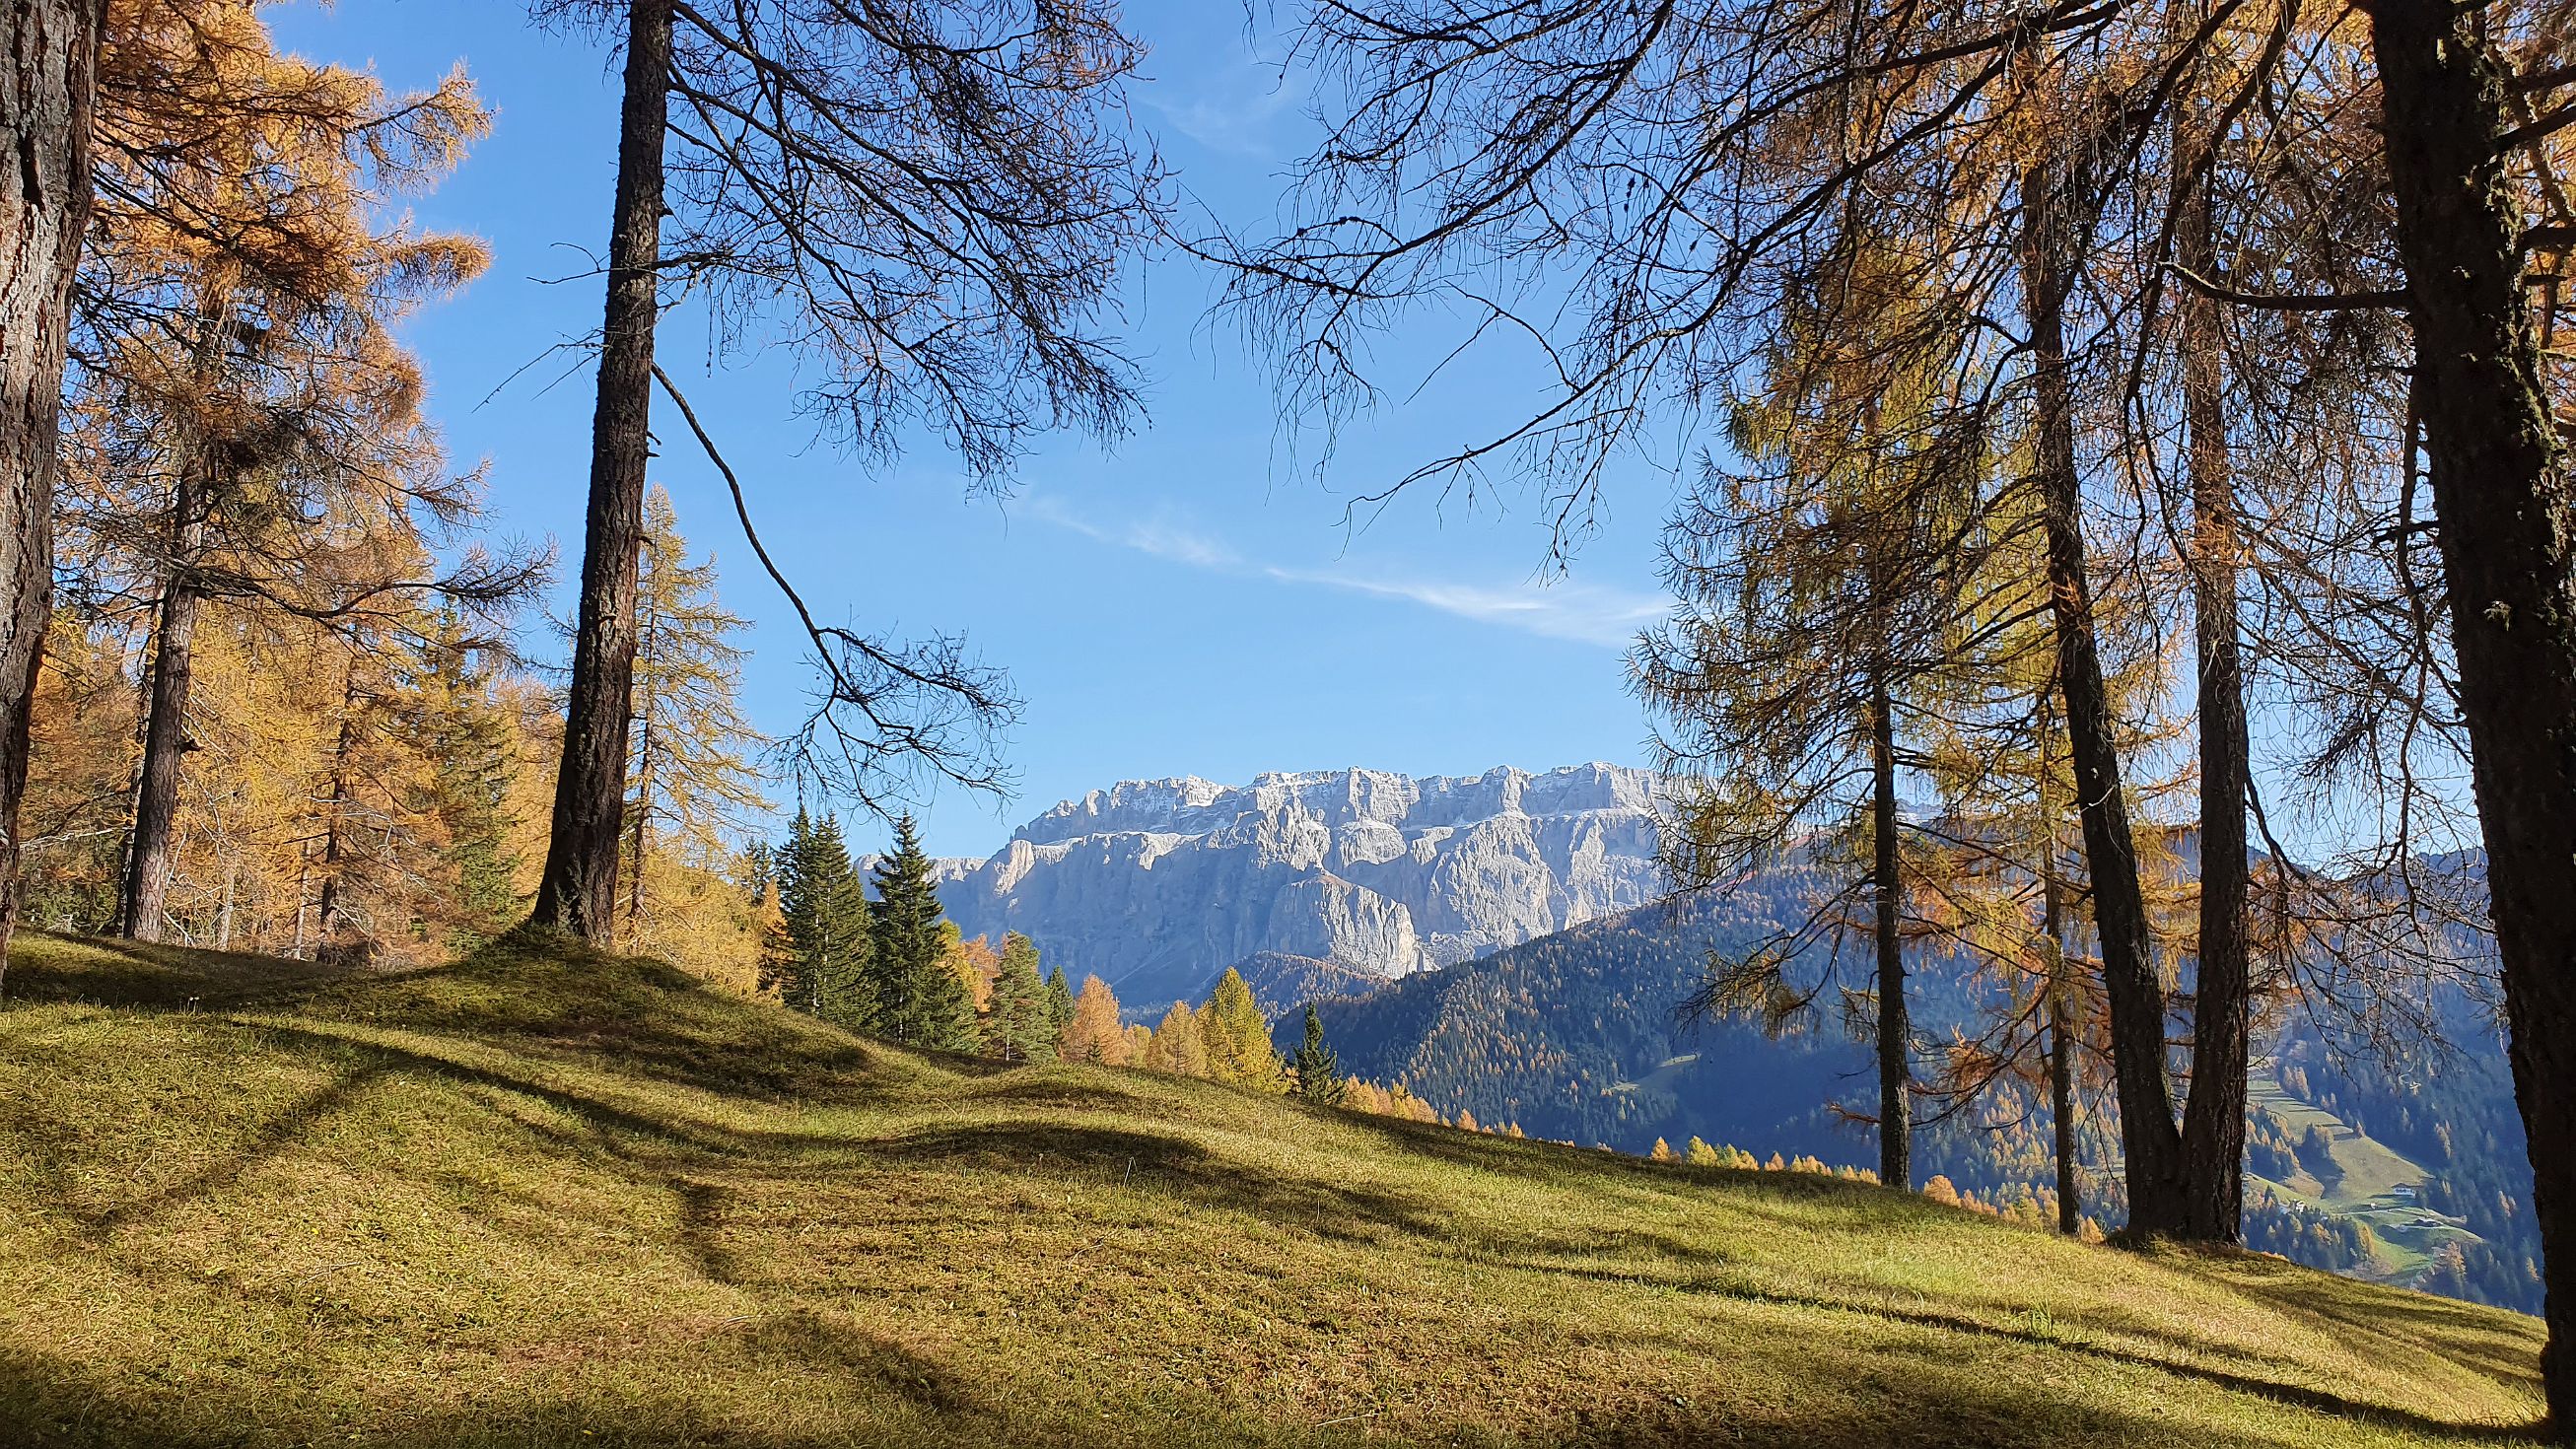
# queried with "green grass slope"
point(2372, 1182)
point(544, 1198)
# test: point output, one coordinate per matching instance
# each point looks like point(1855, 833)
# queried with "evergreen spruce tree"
point(1238, 1038)
point(1017, 1024)
point(920, 1001)
point(1059, 1002)
point(817, 958)
point(1317, 1070)
point(463, 733)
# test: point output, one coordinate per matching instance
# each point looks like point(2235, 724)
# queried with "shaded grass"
point(546, 1197)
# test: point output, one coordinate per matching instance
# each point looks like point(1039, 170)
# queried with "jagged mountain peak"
point(1158, 884)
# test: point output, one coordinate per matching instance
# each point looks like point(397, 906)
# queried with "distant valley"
point(1501, 944)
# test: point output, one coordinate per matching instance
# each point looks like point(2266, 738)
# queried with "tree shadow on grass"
point(1174, 1166)
point(45, 967)
point(798, 1379)
point(2304, 1396)
point(2363, 1314)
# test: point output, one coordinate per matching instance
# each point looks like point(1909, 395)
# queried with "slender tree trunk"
point(224, 917)
point(148, 858)
point(2508, 538)
point(1895, 1029)
point(48, 71)
point(635, 839)
point(2060, 988)
point(2213, 1118)
point(2061, 1055)
point(303, 899)
point(2151, 1144)
point(331, 833)
point(578, 891)
point(642, 808)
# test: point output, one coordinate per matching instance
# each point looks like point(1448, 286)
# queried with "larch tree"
point(1091, 1032)
point(929, 203)
point(1239, 1049)
point(47, 90)
point(2472, 156)
point(1824, 580)
point(1178, 1045)
point(237, 376)
point(1556, 172)
point(690, 778)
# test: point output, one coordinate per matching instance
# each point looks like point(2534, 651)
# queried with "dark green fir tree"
point(921, 999)
point(818, 956)
point(1317, 1070)
point(1017, 1025)
point(1059, 1004)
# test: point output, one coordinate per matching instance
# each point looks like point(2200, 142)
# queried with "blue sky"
point(1191, 601)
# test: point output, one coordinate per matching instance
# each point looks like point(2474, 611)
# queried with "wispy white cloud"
point(1233, 109)
point(1561, 609)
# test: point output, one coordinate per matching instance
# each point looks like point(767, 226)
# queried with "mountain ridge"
point(1159, 885)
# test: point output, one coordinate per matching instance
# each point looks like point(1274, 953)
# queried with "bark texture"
point(578, 891)
point(2213, 1118)
point(48, 74)
point(149, 856)
point(2151, 1144)
point(2500, 493)
point(1895, 1026)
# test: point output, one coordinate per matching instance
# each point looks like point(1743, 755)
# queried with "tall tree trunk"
point(331, 831)
point(636, 837)
point(1895, 1029)
point(224, 915)
point(2151, 1144)
point(2061, 988)
point(639, 824)
point(48, 72)
point(2508, 538)
point(578, 891)
point(2213, 1115)
point(148, 858)
point(2061, 1056)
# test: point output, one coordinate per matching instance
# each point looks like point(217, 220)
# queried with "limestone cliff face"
point(1158, 885)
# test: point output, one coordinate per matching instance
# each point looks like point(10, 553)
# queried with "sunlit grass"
point(549, 1198)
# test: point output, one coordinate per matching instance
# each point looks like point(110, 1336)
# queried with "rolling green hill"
point(548, 1198)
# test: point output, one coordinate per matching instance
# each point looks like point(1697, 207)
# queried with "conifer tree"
point(926, 201)
point(468, 739)
point(1318, 1072)
point(819, 957)
point(1093, 1033)
point(920, 1001)
point(236, 366)
point(1017, 1024)
point(690, 780)
point(1177, 1045)
point(44, 206)
point(1059, 1003)
point(1239, 1050)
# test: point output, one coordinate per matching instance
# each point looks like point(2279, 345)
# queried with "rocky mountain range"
point(1157, 886)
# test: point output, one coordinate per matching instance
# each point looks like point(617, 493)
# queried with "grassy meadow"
point(544, 1197)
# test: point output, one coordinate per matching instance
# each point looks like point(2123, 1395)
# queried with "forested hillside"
point(1581, 1037)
